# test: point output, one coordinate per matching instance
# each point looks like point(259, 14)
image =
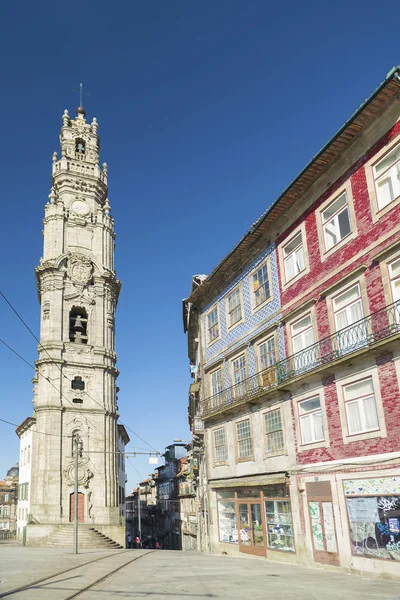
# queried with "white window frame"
point(265, 415)
point(293, 256)
point(237, 290)
point(218, 324)
point(393, 279)
point(250, 437)
point(359, 400)
point(302, 332)
point(225, 460)
point(335, 220)
point(391, 173)
point(310, 416)
point(266, 263)
point(341, 383)
point(271, 354)
point(241, 383)
point(347, 306)
point(211, 376)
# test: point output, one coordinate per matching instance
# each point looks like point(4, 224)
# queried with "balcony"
point(186, 489)
point(358, 337)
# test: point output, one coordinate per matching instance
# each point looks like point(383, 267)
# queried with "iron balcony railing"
point(364, 333)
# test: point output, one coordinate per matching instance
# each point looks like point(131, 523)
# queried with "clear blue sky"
point(206, 111)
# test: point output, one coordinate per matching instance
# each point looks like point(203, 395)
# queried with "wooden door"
point(251, 528)
point(322, 523)
point(81, 507)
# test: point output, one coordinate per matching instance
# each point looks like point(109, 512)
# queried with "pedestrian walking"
point(137, 541)
point(129, 541)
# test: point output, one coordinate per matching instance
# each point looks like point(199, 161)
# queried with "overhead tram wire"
point(59, 368)
point(52, 384)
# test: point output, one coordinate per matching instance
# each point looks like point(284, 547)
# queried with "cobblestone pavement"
point(168, 575)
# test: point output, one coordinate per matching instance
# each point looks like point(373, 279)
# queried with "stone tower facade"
point(75, 387)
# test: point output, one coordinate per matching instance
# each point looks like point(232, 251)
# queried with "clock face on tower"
point(79, 207)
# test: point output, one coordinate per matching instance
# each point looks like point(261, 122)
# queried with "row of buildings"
point(9, 494)
point(167, 501)
point(293, 341)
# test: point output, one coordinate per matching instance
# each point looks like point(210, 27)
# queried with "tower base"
point(102, 537)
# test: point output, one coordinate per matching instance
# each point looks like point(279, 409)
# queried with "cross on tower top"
point(81, 93)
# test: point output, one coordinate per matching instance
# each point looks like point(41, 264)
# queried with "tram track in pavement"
point(41, 583)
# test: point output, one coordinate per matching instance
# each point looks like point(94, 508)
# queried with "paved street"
point(168, 575)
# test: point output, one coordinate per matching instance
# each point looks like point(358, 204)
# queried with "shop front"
point(373, 513)
point(256, 519)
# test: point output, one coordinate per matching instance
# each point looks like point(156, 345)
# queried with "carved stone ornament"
point(79, 269)
point(84, 475)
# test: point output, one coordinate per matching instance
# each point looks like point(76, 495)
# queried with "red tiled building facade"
point(335, 379)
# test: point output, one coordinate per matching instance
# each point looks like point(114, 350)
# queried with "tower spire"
point(80, 109)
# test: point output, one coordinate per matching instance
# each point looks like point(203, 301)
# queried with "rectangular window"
point(234, 308)
point(348, 308)
point(274, 431)
point(349, 314)
point(302, 334)
point(394, 275)
point(239, 369)
point(310, 416)
point(239, 375)
point(375, 526)
point(228, 531)
point(293, 256)
point(336, 221)
point(221, 454)
point(361, 408)
point(266, 353)
point(304, 348)
point(245, 447)
point(29, 454)
point(216, 382)
point(261, 289)
point(213, 325)
point(387, 178)
point(278, 517)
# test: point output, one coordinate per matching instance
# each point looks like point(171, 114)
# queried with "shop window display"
point(375, 526)
point(278, 516)
point(227, 522)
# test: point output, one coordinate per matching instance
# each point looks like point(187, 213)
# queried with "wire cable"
point(59, 368)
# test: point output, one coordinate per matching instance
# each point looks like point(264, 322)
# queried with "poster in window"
point(363, 510)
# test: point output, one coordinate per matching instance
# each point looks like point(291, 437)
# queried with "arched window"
point(77, 383)
point(78, 325)
point(80, 146)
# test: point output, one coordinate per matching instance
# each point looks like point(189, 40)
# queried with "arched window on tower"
point(80, 146)
point(78, 325)
point(77, 383)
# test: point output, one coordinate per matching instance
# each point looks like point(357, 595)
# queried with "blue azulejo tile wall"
point(254, 322)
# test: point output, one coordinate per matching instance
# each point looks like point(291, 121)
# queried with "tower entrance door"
point(81, 507)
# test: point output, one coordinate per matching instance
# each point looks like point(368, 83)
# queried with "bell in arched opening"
point(78, 326)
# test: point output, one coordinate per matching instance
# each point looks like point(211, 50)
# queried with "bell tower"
point(75, 386)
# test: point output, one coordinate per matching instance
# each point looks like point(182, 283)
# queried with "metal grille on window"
point(274, 432)
point(245, 448)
